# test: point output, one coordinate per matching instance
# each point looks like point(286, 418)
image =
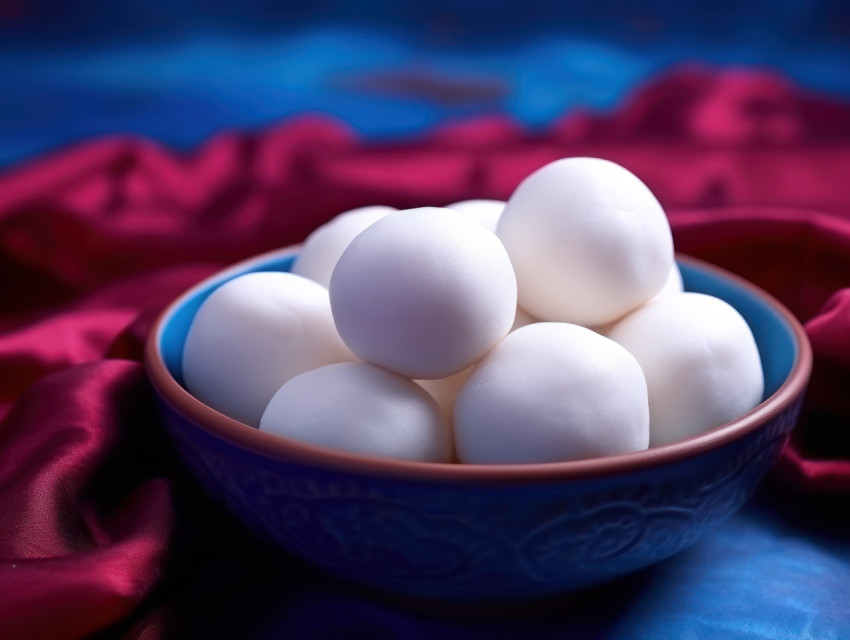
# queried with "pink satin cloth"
point(96, 240)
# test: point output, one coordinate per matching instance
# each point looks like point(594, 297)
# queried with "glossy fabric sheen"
point(101, 531)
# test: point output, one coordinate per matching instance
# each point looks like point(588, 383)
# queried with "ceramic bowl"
point(476, 532)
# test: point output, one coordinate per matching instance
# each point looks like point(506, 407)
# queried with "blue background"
point(179, 71)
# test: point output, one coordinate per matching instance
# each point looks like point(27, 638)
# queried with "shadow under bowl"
point(485, 532)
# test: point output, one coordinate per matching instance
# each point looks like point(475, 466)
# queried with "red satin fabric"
point(94, 241)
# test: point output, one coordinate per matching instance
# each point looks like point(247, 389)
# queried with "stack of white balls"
point(552, 327)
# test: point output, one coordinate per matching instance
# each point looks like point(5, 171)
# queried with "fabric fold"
point(85, 523)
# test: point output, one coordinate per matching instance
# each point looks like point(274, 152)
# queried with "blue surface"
point(762, 576)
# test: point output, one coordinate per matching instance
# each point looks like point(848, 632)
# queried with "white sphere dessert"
point(551, 392)
point(588, 241)
point(254, 333)
point(484, 212)
point(700, 360)
point(423, 292)
point(360, 408)
point(323, 247)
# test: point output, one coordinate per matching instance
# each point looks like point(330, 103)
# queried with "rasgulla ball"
point(423, 292)
point(325, 245)
point(360, 408)
point(588, 241)
point(700, 360)
point(484, 212)
point(550, 392)
point(254, 333)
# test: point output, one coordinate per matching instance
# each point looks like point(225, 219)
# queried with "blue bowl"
point(475, 532)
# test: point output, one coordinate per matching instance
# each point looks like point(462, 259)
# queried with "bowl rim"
point(295, 452)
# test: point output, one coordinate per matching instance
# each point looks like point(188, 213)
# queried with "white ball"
point(484, 212)
point(254, 333)
point(423, 292)
point(700, 360)
point(325, 245)
point(360, 408)
point(588, 241)
point(551, 392)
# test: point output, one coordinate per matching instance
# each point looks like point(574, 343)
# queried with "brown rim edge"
point(293, 451)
